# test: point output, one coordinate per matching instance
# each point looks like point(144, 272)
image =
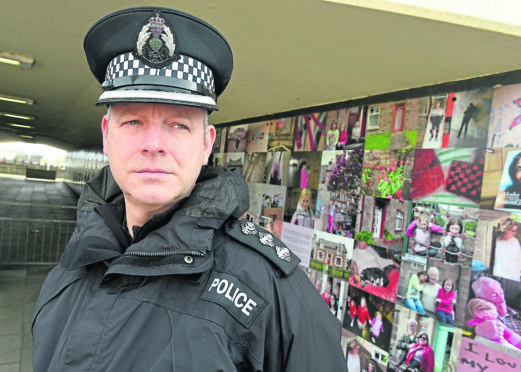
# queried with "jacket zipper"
point(163, 254)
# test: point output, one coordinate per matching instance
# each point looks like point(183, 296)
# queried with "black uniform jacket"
point(194, 290)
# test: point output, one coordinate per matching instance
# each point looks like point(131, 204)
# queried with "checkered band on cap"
point(186, 68)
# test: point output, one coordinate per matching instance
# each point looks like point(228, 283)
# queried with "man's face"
point(155, 152)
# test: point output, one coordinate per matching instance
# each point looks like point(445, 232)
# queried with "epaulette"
point(265, 243)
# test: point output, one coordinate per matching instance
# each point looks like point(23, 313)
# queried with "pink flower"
point(388, 169)
point(386, 178)
point(401, 162)
point(407, 162)
point(370, 184)
point(400, 199)
point(379, 167)
point(389, 196)
point(399, 193)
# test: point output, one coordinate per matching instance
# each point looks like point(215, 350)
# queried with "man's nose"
point(153, 140)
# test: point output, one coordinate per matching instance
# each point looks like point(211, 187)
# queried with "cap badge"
point(156, 43)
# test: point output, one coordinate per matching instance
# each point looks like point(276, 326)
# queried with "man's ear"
point(208, 142)
point(104, 130)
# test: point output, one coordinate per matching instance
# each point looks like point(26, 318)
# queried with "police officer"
point(160, 274)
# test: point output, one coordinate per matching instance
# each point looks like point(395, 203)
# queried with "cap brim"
point(153, 96)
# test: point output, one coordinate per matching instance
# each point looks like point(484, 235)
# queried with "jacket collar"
point(178, 241)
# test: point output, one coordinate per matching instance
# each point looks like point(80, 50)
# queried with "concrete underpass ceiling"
point(289, 55)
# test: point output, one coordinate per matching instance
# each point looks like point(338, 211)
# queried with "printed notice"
point(299, 239)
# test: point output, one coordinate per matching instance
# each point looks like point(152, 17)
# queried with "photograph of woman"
point(507, 252)
point(420, 355)
point(509, 193)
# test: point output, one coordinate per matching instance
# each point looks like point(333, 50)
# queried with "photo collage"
point(406, 217)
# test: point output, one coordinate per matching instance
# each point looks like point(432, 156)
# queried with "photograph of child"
point(300, 207)
point(368, 308)
point(435, 289)
point(444, 233)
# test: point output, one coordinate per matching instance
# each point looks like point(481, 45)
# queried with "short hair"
point(412, 321)
point(454, 221)
point(433, 270)
point(205, 119)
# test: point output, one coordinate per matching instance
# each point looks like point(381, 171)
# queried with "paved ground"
point(20, 284)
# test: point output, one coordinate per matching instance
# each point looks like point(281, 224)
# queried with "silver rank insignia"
point(248, 228)
point(266, 239)
point(156, 43)
point(283, 253)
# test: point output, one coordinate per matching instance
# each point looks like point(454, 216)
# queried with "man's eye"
point(180, 126)
point(132, 122)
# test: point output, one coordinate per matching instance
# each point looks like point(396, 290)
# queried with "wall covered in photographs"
point(406, 216)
